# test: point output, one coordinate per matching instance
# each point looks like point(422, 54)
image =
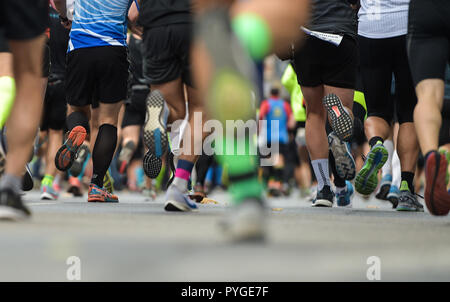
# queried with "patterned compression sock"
point(183, 174)
point(321, 172)
point(7, 96)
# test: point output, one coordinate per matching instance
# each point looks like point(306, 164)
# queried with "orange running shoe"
point(97, 194)
point(75, 186)
point(67, 153)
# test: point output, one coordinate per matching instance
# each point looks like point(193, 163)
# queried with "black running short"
point(135, 108)
point(46, 61)
point(428, 38)
point(380, 58)
point(23, 19)
point(166, 53)
point(55, 107)
point(97, 74)
point(322, 63)
point(4, 47)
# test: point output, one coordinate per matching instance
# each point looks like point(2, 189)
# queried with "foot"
point(367, 179)
point(149, 194)
point(437, 198)
point(274, 188)
point(344, 198)
point(407, 201)
point(11, 206)
point(198, 194)
point(27, 180)
point(155, 135)
point(340, 120)
point(385, 187)
point(48, 193)
point(393, 195)
point(324, 198)
point(125, 156)
point(75, 187)
point(345, 164)
point(67, 153)
point(97, 194)
point(80, 159)
point(177, 201)
point(245, 222)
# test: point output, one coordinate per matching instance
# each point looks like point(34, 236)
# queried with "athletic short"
point(23, 19)
point(322, 63)
point(97, 74)
point(55, 106)
point(428, 38)
point(4, 47)
point(380, 58)
point(166, 53)
point(135, 108)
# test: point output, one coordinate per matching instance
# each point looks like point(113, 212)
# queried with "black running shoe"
point(324, 198)
point(11, 206)
point(27, 180)
point(155, 134)
point(341, 121)
point(2, 154)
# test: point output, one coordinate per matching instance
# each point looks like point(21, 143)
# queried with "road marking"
point(41, 203)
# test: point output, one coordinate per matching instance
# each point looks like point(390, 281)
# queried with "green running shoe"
point(367, 179)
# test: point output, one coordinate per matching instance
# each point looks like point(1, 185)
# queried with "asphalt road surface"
point(136, 240)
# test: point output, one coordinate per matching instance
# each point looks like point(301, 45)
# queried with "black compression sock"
point(338, 182)
point(409, 178)
point(375, 140)
point(77, 119)
point(103, 152)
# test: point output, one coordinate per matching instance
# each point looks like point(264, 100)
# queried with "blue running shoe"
point(178, 201)
point(48, 193)
point(344, 198)
point(345, 164)
point(393, 195)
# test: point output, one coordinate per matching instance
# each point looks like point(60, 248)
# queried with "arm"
point(61, 7)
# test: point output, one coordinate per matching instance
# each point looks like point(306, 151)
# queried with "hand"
point(65, 22)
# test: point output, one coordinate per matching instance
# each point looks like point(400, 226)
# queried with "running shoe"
point(245, 222)
point(341, 120)
point(367, 179)
point(48, 193)
point(66, 154)
point(407, 201)
point(437, 198)
point(108, 182)
point(393, 195)
point(324, 198)
point(125, 156)
point(385, 187)
point(149, 194)
point(27, 179)
point(75, 187)
point(344, 198)
point(97, 194)
point(176, 201)
point(345, 164)
point(12, 207)
point(198, 194)
point(155, 135)
point(80, 160)
point(274, 188)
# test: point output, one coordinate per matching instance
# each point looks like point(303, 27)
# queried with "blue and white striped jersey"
point(99, 23)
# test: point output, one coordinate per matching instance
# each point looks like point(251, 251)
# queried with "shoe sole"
point(70, 148)
point(47, 196)
point(155, 136)
point(350, 205)
point(437, 205)
point(27, 180)
point(345, 164)
point(341, 121)
point(322, 203)
point(99, 199)
point(175, 206)
point(366, 181)
point(401, 208)
point(393, 200)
